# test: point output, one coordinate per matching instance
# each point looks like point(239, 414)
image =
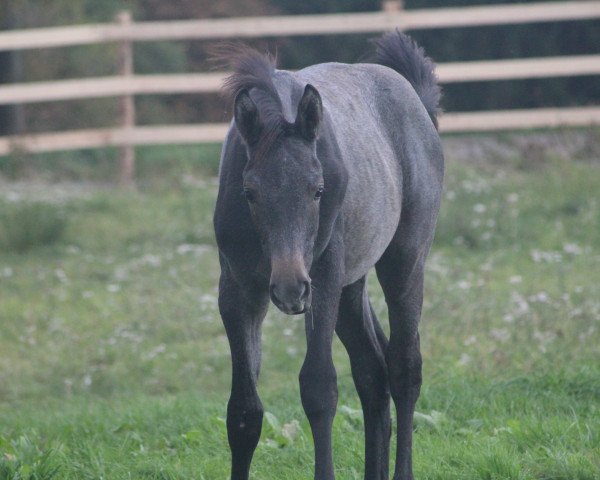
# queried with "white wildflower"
point(541, 297)
point(590, 331)
point(60, 274)
point(474, 186)
point(464, 359)
point(121, 274)
point(544, 337)
point(572, 249)
point(155, 351)
point(207, 298)
point(291, 351)
point(152, 260)
point(191, 248)
point(576, 312)
point(500, 334)
point(486, 267)
point(521, 305)
point(539, 256)
point(130, 336)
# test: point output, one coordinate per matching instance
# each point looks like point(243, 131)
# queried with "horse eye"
point(249, 194)
point(319, 193)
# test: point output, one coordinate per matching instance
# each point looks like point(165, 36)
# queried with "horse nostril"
point(292, 299)
point(272, 290)
point(306, 290)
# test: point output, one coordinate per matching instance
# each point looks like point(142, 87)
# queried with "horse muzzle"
point(290, 288)
point(291, 299)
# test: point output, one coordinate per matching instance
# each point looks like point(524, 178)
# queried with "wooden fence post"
point(392, 6)
point(127, 104)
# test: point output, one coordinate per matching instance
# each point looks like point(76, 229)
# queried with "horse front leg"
point(318, 390)
point(318, 382)
point(242, 312)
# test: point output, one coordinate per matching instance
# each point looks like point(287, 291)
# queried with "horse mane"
point(253, 71)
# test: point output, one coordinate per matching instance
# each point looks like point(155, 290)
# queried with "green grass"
point(114, 363)
point(26, 225)
point(153, 164)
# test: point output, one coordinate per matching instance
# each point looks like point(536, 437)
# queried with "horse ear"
point(246, 117)
point(310, 113)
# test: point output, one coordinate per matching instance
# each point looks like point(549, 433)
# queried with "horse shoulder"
point(235, 233)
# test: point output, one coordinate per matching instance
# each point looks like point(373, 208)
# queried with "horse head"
point(283, 184)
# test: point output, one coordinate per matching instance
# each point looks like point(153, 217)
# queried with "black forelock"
point(253, 71)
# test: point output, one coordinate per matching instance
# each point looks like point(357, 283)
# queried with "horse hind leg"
point(365, 341)
point(381, 337)
point(400, 272)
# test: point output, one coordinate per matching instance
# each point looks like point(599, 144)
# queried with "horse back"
point(391, 151)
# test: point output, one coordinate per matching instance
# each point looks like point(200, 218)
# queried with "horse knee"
point(244, 423)
point(371, 383)
point(405, 376)
point(318, 390)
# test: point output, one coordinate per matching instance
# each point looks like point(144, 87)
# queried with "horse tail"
point(402, 54)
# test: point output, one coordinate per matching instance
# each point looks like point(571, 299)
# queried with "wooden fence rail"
point(292, 25)
point(211, 82)
point(497, 120)
point(126, 85)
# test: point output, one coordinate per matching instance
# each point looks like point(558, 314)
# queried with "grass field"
point(114, 363)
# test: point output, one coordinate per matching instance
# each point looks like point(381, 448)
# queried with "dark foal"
point(326, 173)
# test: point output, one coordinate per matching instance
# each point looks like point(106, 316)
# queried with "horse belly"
point(371, 216)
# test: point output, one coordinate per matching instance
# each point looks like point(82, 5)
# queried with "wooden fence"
point(126, 84)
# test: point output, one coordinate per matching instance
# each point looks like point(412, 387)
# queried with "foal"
point(326, 173)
